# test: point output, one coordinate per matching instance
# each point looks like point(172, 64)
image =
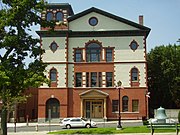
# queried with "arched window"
point(93, 52)
point(53, 75)
point(125, 104)
point(59, 16)
point(49, 16)
point(134, 74)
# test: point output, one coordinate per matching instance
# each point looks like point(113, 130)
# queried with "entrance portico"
point(93, 104)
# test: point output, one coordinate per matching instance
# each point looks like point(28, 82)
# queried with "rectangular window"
point(78, 79)
point(109, 55)
point(135, 105)
point(78, 55)
point(115, 104)
point(93, 54)
point(109, 79)
point(93, 79)
point(125, 104)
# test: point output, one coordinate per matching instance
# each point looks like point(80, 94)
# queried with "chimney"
point(141, 19)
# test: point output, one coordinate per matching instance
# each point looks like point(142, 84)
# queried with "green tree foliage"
point(16, 45)
point(164, 76)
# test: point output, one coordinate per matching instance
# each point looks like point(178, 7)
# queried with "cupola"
point(58, 12)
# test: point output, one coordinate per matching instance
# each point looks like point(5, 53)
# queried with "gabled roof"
point(99, 11)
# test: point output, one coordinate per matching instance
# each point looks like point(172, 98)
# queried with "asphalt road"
point(57, 127)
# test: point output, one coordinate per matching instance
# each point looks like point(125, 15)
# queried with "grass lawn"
point(140, 129)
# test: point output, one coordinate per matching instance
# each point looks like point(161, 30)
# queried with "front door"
point(52, 105)
point(97, 113)
point(93, 108)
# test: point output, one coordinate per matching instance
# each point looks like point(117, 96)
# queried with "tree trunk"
point(4, 121)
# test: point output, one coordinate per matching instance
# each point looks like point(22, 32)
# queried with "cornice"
point(107, 33)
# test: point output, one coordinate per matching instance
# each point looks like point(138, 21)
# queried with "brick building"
point(87, 54)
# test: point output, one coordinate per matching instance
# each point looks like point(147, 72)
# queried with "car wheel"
point(68, 126)
point(88, 125)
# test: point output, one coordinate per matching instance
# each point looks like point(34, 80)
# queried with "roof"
point(99, 11)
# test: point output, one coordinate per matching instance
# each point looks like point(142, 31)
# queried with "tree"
point(164, 76)
point(16, 45)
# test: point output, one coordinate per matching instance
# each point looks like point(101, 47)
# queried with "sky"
point(161, 16)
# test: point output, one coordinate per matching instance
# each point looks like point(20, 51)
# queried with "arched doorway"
point(52, 105)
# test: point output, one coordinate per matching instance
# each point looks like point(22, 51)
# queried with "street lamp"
point(119, 83)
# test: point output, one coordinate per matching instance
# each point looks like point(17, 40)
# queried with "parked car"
point(77, 122)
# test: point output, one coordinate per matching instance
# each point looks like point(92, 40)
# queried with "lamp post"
point(119, 83)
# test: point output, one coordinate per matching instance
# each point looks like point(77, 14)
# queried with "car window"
point(75, 120)
point(65, 119)
point(84, 119)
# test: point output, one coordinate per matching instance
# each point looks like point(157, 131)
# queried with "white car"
point(77, 122)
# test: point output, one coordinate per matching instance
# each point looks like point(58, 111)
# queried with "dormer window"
point(49, 16)
point(59, 16)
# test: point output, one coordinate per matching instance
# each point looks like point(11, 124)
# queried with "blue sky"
point(162, 16)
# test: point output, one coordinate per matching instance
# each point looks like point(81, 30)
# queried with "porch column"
point(105, 117)
point(81, 107)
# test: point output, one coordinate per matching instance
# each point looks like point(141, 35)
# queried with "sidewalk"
point(28, 133)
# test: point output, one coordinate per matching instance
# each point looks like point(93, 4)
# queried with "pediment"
point(106, 22)
point(93, 93)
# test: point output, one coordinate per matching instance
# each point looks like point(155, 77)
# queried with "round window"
point(53, 46)
point(133, 45)
point(93, 21)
